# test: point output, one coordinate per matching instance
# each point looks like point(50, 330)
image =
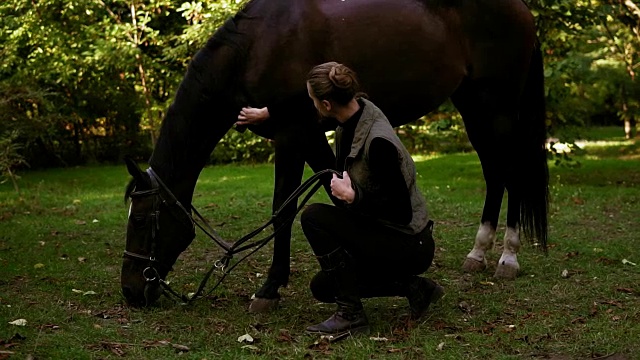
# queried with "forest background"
point(89, 81)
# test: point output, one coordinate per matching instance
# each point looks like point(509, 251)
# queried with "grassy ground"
point(61, 243)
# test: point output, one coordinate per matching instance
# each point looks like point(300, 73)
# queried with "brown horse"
point(410, 55)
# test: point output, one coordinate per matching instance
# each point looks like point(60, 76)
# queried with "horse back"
point(410, 55)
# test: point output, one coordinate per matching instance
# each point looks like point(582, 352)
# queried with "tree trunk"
point(147, 100)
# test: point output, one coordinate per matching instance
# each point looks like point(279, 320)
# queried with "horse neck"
point(177, 162)
point(201, 113)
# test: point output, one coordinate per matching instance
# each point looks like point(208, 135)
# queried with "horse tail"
point(534, 170)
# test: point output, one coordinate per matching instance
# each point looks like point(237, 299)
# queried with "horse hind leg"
point(508, 266)
point(489, 127)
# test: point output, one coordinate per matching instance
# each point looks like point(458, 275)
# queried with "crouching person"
point(379, 239)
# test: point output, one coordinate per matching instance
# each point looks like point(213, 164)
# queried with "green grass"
point(51, 247)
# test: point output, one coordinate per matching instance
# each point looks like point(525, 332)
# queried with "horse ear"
point(134, 170)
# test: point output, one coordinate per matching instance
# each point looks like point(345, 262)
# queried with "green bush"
point(10, 158)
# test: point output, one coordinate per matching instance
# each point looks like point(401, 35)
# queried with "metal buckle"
point(150, 279)
point(219, 265)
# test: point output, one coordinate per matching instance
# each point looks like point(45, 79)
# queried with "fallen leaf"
point(82, 259)
point(251, 347)
point(509, 328)
point(153, 344)
point(612, 302)
point(245, 338)
point(38, 266)
point(489, 283)
point(625, 262)
point(321, 345)
point(17, 337)
point(19, 322)
point(375, 338)
point(42, 243)
point(440, 346)
point(95, 221)
point(577, 201)
point(49, 326)
point(565, 273)
point(625, 290)
point(183, 347)
point(579, 320)
point(284, 336)
point(90, 292)
point(80, 222)
point(569, 255)
point(605, 260)
point(77, 291)
point(464, 306)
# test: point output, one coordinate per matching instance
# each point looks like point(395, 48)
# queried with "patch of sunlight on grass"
point(584, 144)
point(100, 195)
point(420, 158)
point(603, 143)
point(221, 179)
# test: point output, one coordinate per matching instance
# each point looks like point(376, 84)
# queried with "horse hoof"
point(506, 272)
point(472, 266)
point(261, 305)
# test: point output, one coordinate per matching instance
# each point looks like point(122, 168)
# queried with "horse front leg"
point(289, 167)
point(476, 259)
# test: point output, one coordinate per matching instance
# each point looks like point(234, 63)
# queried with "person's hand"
point(252, 116)
point(341, 188)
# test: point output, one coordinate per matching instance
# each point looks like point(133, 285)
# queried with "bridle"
point(162, 195)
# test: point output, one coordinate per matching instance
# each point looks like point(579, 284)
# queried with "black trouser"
point(381, 255)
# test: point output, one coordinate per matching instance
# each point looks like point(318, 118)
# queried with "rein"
point(161, 192)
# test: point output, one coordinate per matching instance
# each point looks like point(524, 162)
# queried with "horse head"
point(158, 230)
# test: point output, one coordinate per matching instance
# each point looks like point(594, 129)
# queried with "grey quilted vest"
point(374, 124)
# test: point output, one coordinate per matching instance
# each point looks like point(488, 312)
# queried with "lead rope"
point(232, 249)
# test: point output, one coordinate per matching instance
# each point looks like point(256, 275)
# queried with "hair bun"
point(341, 76)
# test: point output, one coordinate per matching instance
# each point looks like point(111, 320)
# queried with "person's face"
point(323, 106)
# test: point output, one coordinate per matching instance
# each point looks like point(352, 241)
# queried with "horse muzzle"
point(142, 297)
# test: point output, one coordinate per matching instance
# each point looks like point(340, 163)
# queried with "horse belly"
point(409, 60)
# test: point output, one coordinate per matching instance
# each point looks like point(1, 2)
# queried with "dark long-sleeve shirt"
point(390, 200)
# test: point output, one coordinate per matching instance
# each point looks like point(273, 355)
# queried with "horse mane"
point(229, 33)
